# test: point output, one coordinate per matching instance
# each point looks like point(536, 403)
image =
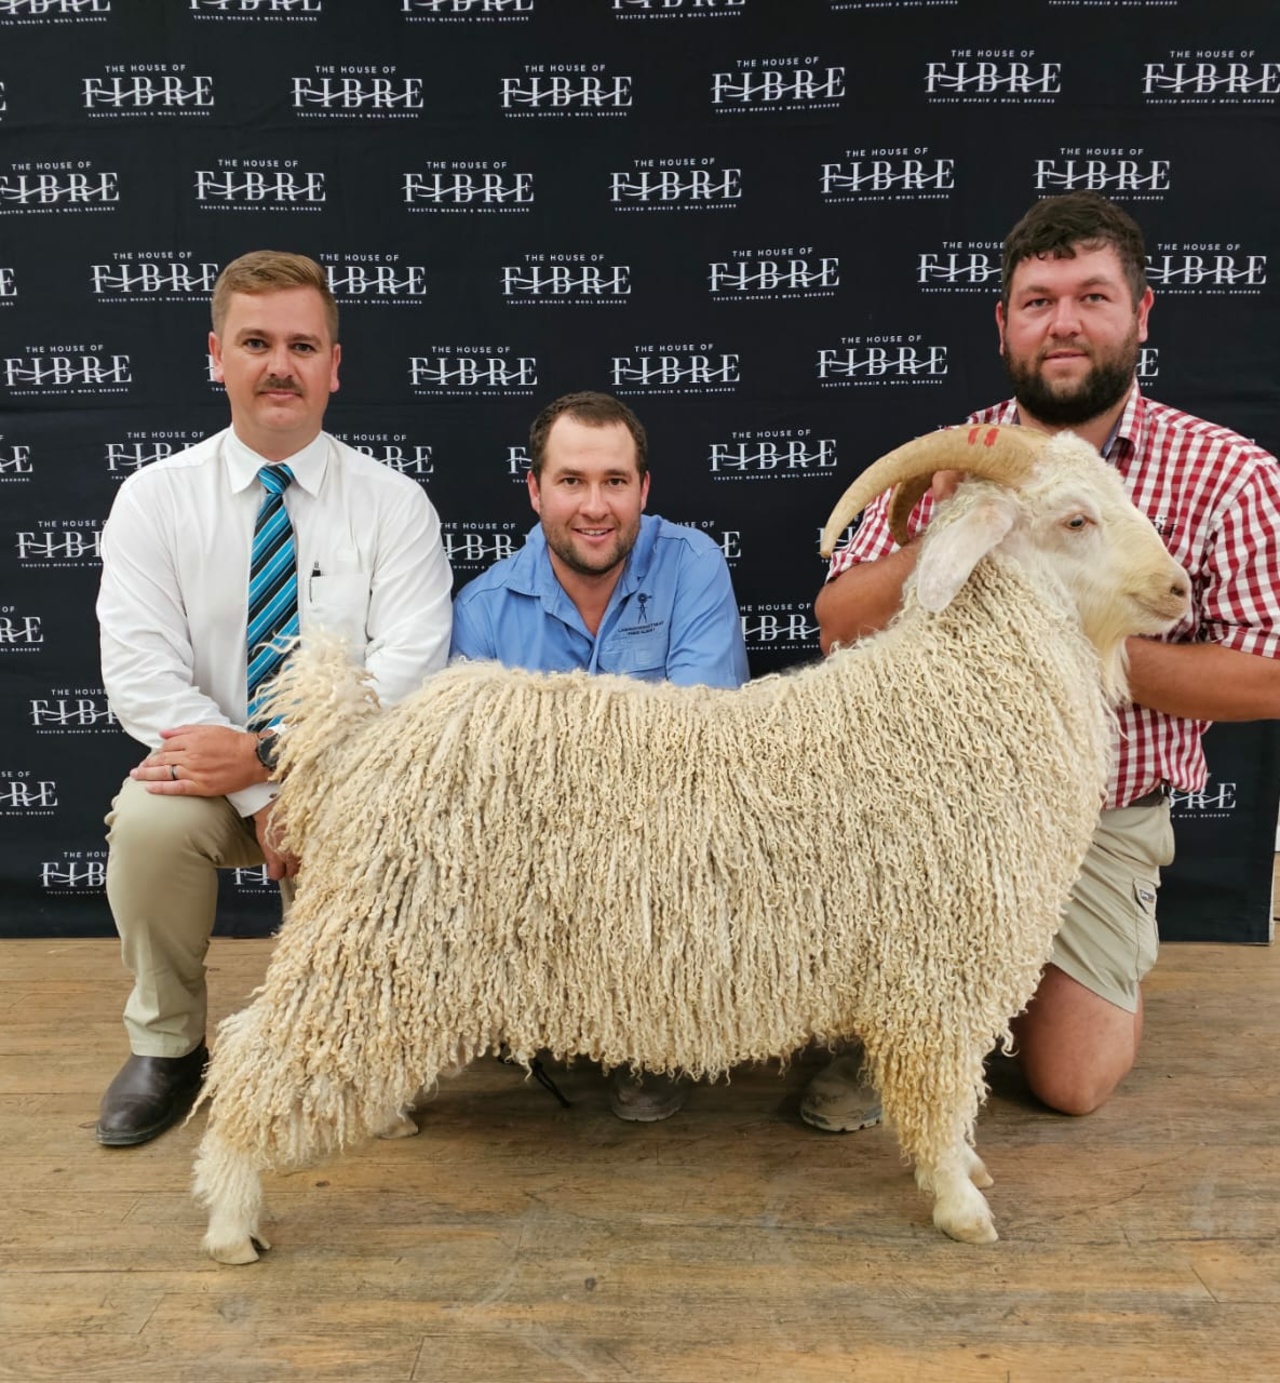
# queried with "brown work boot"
point(149, 1095)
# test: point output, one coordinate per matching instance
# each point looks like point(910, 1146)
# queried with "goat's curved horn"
point(1001, 453)
point(906, 495)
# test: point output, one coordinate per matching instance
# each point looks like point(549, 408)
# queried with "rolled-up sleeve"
point(872, 539)
point(1240, 600)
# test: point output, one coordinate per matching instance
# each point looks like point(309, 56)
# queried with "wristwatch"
point(268, 749)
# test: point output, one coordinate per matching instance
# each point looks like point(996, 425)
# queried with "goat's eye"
point(1077, 522)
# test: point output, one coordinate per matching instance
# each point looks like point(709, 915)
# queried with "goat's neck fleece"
point(1003, 656)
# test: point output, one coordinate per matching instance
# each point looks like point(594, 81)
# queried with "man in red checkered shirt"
point(1072, 313)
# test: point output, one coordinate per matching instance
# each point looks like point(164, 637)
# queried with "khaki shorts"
point(1108, 939)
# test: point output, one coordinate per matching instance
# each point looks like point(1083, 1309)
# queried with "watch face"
point(268, 750)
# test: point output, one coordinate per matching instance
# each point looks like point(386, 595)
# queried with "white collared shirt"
point(175, 571)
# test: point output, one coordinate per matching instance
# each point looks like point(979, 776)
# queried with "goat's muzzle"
point(1165, 597)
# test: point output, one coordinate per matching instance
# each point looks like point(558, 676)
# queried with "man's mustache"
point(1083, 347)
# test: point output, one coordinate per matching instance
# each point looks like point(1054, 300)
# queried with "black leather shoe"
point(149, 1095)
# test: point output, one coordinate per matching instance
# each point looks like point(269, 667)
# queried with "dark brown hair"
point(593, 409)
point(1056, 226)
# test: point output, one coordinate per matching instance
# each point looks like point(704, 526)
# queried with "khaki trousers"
point(162, 886)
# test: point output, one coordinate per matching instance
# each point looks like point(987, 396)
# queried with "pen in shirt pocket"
point(311, 584)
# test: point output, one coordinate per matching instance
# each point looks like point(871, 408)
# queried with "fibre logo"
point(798, 84)
point(560, 89)
point(887, 174)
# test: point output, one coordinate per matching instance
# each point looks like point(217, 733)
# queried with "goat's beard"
point(1107, 382)
point(1113, 659)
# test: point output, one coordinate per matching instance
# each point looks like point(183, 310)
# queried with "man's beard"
point(1107, 382)
point(562, 545)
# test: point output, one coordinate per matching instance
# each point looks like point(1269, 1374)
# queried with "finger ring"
point(173, 772)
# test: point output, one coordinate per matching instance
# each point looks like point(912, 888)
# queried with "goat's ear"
point(952, 553)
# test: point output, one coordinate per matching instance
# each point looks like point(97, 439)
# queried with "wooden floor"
point(515, 1240)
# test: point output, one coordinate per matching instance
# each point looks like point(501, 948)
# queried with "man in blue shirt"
point(600, 585)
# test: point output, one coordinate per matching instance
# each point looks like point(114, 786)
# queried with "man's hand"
point(945, 483)
point(201, 761)
point(279, 865)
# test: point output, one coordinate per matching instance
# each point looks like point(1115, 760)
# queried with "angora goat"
point(683, 878)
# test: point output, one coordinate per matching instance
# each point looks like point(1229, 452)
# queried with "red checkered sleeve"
point(1240, 604)
point(871, 539)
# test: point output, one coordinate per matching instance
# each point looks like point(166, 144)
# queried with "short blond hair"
point(270, 271)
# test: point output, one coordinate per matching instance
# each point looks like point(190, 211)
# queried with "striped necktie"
point(273, 590)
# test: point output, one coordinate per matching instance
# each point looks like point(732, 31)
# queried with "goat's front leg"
point(229, 1185)
point(403, 1124)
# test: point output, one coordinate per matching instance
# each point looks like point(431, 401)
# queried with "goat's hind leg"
point(229, 1185)
point(960, 1210)
point(946, 1166)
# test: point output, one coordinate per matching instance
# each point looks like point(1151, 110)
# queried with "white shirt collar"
point(307, 465)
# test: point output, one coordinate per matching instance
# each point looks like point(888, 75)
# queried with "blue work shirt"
point(672, 616)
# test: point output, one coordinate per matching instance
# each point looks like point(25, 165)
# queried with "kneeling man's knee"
point(148, 825)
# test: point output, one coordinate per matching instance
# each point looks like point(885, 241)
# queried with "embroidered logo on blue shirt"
point(643, 624)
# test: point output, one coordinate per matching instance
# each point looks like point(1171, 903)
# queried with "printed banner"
point(773, 229)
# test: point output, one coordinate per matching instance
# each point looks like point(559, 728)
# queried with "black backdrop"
point(772, 225)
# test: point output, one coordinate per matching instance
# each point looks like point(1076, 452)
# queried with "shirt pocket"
point(339, 604)
point(638, 655)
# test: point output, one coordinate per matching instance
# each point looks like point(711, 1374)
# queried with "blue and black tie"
point(273, 590)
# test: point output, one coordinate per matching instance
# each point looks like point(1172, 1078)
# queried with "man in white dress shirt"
point(362, 555)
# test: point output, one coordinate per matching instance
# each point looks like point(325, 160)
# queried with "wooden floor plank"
point(515, 1240)
point(211, 1357)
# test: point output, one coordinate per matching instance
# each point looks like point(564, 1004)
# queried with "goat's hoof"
point(241, 1252)
point(238, 1251)
point(968, 1230)
point(402, 1126)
